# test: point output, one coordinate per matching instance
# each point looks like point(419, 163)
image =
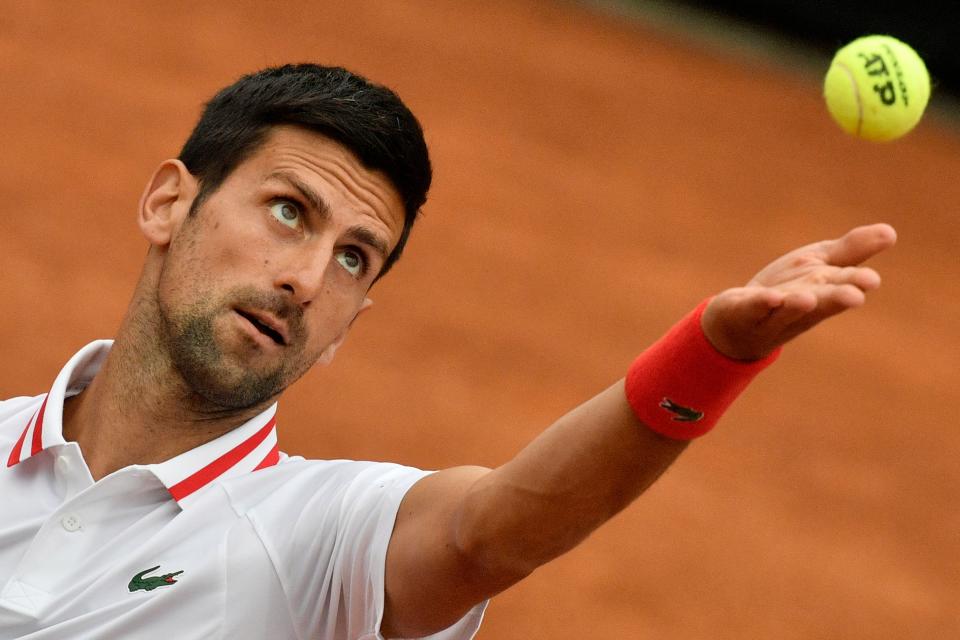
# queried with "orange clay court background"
point(595, 177)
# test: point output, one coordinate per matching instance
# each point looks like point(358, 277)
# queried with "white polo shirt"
point(232, 539)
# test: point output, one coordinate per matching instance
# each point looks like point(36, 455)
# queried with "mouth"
point(265, 324)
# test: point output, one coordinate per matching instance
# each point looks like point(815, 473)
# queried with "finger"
point(858, 244)
point(750, 302)
point(830, 301)
point(795, 306)
point(763, 300)
point(840, 298)
point(834, 299)
point(863, 278)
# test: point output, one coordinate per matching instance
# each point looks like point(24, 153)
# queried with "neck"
point(138, 409)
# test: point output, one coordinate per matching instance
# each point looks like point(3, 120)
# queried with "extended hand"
point(795, 292)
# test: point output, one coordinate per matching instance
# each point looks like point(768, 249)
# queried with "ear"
point(166, 201)
point(327, 356)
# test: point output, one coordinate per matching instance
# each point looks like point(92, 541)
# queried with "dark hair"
point(368, 119)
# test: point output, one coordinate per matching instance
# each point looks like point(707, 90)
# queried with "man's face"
point(265, 278)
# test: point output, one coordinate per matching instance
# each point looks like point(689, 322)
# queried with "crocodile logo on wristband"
point(681, 413)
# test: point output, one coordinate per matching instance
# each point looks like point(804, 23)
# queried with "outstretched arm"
point(465, 534)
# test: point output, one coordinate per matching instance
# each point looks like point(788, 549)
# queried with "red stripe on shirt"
point(272, 458)
point(15, 452)
point(216, 468)
point(38, 429)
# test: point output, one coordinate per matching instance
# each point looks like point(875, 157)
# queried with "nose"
point(302, 273)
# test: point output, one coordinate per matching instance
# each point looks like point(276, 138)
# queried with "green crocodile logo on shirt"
point(149, 584)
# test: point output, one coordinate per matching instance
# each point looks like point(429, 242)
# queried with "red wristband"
point(681, 385)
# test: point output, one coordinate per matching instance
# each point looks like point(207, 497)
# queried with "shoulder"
point(295, 484)
point(324, 524)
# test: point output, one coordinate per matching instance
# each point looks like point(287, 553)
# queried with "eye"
point(353, 261)
point(286, 212)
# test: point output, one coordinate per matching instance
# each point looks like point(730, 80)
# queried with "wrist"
point(731, 345)
point(681, 385)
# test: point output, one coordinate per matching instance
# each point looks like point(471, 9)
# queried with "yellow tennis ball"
point(877, 88)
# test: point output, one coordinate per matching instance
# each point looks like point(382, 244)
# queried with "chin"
point(248, 389)
point(221, 376)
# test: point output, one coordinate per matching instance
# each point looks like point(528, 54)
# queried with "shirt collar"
point(246, 448)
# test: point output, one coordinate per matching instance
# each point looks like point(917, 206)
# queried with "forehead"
point(332, 170)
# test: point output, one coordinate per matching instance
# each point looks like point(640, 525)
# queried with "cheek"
point(329, 317)
point(202, 257)
point(175, 281)
point(187, 274)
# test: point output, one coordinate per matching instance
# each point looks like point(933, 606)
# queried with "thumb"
point(858, 244)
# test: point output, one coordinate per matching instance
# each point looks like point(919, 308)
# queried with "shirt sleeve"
point(331, 553)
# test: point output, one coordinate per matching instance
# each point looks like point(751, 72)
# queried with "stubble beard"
point(189, 339)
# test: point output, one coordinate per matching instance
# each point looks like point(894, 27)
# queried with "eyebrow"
point(316, 201)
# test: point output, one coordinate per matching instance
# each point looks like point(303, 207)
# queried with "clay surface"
point(595, 179)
